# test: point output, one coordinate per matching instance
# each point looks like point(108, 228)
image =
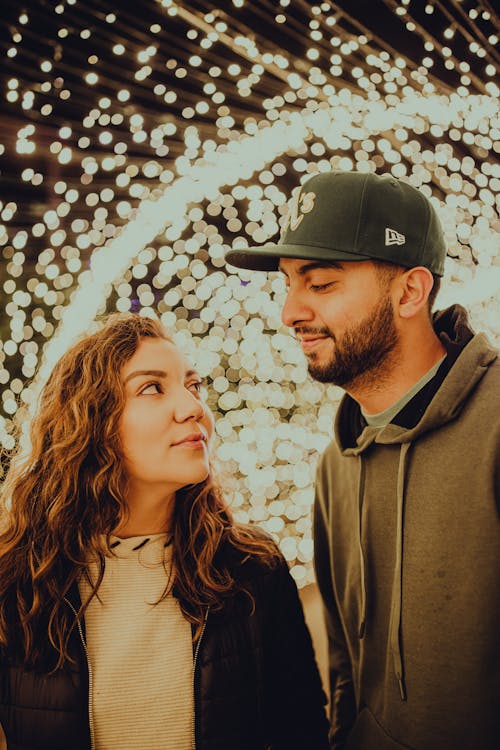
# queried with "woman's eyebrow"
point(152, 373)
point(156, 374)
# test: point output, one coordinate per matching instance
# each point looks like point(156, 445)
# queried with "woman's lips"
point(194, 440)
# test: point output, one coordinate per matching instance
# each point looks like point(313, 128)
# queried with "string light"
point(145, 150)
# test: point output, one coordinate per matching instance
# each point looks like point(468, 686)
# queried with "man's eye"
point(321, 287)
point(150, 389)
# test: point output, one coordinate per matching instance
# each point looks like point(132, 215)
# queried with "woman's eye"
point(196, 386)
point(150, 389)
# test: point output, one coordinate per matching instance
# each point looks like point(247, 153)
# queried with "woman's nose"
point(189, 406)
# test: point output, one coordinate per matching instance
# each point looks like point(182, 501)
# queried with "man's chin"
point(314, 364)
point(321, 355)
point(319, 372)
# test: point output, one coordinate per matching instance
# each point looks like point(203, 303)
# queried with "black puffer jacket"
point(256, 682)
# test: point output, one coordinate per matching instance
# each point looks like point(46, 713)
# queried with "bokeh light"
point(140, 142)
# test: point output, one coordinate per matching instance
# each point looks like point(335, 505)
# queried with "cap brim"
point(267, 257)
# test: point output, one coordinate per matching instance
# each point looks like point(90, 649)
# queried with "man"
point(407, 531)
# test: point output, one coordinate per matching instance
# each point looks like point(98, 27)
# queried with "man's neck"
point(396, 376)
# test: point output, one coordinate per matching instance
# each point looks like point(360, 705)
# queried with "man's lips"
point(311, 342)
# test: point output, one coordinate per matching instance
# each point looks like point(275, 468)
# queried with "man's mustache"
point(304, 331)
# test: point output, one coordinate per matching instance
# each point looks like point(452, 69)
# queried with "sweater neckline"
point(150, 547)
point(133, 543)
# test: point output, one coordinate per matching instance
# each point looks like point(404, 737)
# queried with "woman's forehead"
point(158, 354)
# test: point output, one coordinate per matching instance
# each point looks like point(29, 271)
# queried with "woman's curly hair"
point(60, 503)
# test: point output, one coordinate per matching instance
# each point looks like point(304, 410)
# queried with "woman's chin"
point(196, 478)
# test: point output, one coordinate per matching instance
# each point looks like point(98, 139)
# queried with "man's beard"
point(360, 354)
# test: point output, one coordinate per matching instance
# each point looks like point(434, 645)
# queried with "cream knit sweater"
point(140, 653)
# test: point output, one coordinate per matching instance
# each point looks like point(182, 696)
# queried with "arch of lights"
point(271, 419)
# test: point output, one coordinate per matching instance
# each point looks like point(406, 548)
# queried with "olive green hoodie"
point(407, 555)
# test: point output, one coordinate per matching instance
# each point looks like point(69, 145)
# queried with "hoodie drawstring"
point(361, 492)
point(397, 585)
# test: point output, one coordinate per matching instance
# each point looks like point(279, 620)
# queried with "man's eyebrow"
point(155, 374)
point(313, 265)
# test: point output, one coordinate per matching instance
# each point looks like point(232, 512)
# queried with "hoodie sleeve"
point(342, 700)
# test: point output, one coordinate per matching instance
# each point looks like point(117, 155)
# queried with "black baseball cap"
point(354, 216)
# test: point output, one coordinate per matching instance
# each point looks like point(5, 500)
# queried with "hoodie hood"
point(468, 358)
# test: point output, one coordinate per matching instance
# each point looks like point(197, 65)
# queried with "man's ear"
point(414, 288)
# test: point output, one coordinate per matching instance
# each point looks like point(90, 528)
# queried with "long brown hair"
point(60, 503)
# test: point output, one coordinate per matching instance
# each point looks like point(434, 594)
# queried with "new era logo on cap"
point(394, 238)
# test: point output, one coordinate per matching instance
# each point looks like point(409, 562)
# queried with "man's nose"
point(295, 310)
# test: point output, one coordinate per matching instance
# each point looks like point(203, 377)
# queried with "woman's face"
point(165, 425)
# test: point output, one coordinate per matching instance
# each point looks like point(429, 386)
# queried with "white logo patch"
point(299, 205)
point(394, 238)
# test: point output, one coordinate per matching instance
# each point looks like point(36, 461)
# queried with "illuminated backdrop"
point(139, 140)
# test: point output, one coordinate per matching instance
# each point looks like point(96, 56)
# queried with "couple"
point(136, 614)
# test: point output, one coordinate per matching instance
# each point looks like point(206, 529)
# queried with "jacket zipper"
point(195, 660)
point(84, 644)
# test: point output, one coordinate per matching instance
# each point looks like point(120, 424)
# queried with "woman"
point(134, 613)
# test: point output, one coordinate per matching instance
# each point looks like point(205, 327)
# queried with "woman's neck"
point(147, 515)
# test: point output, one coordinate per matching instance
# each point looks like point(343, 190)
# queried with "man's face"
point(343, 317)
